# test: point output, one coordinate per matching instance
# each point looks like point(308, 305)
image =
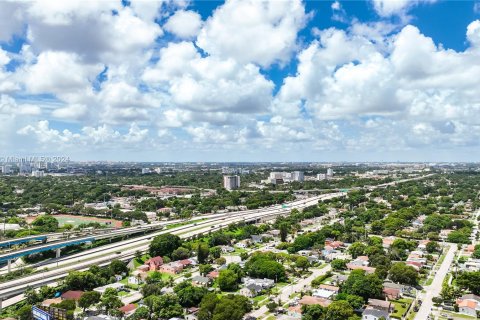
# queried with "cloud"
point(271, 26)
point(60, 73)
point(387, 8)
point(184, 24)
point(208, 84)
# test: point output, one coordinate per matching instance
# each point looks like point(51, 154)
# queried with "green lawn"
point(455, 315)
point(399, 308)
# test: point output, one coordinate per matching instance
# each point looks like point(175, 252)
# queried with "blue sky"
point(374, 80)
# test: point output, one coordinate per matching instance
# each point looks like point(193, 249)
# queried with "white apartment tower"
point(231, 182)
point(298, 176)
point(329, 172)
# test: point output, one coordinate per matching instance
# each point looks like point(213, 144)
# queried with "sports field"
point(64, 219)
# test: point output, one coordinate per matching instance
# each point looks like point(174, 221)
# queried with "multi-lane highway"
point(126, 249)
point(51, 273)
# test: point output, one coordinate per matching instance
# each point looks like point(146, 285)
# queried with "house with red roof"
point(128, 309)
point(154, 263)
point(72, 295)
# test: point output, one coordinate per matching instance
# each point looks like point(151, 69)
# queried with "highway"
point(126, 249)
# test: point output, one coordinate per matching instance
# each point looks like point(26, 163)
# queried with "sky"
point(241, 80)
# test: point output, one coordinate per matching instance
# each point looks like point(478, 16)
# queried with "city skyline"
point(245, 80)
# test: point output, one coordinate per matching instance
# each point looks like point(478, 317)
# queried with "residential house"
point(375, 314)
point(185, 263)
point(72, 295)
point(256, 238)
point(304, 253)
point(49, 302)
point(117, 286)
point(309, 300)
point(264, 283)
point(128, 309)
point(171, 267)
point(325, 291)
point(472, 265)
point(386, 306)
point(154, 263)
point(201, 281)
point(212, 275)
point(387, 241)
point(227, 249)
point(135, 279)
point(295, 312)
point(392, 293)
point(469, 304)
point(251, 290)
point(364, 268)
point(360, 261)
point(338, 279)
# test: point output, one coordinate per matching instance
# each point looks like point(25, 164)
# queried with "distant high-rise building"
point(231, 182)
point(321, 176)
point(6, 169)
point(298, 176)
point(145, 170)
point(330, 172)
point(37, 173)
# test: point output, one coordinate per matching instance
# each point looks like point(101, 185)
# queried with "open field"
point(77, 220)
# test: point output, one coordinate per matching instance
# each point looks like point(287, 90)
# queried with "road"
point(434, 289)
point(126, 249)
point(284, 295)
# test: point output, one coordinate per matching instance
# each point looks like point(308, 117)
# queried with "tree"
point(244, 256)
point(180, 253)
point(338, 264)
point(164, 245)
point(272, 305)
point(301, 242)
point(118, 267)
point(432, 247)
point(313, 312)
point(357, 249)
point(138, 255)
point(202, 252)
point(31, 296)
point(165, 306)
point(339, 310)
point(189, 295)
point(151, 289)
point(24, 313)
point(81, 280)
point(265, 268)
point(355, 301)
point(302, 263)
point(110, 300)
point(231, 307)
point(141, 313)
point(45, 223)
point(88, 299)
point(204, 269)
point(401, 273)
point(363, 285)
point(470, 281)
point(227, 280)
point(283, 231)
point(220, 261)
point(216, 252)
point(207, 306)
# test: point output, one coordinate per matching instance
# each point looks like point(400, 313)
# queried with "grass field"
point(64, 219)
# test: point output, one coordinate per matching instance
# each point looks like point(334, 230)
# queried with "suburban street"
point(284, 295)
point(434, 289)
